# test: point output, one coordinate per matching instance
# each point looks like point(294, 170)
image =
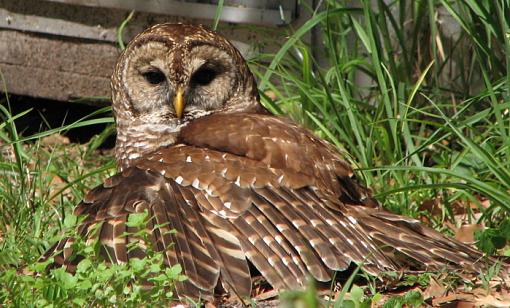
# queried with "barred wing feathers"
point(256, 187)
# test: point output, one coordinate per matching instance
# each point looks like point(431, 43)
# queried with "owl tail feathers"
point(414, 246)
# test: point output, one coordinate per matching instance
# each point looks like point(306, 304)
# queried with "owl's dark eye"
point(154, 76)
point(204, 75)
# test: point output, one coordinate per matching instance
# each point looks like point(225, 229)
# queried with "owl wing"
point(255, 187)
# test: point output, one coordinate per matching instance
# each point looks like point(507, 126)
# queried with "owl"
point(199, 153)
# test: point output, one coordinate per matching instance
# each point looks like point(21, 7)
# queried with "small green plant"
point(95, 282)
point(296, 298)
point(489, 240)
point(410, 299)
point(358, 299)
point(487, 276)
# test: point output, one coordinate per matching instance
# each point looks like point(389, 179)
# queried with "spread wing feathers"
point(415, 244)
point(107, 209)
point(255, 187)
point(286, 225)
point(278, 143)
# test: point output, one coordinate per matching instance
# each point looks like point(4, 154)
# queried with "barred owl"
point(197, 150)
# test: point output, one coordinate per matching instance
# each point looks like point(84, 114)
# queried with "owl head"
point(171, 74)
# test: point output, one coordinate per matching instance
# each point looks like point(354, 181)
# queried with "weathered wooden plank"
point(54, 67)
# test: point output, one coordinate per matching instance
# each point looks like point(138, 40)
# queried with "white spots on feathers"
point(210, 192)
point(299, 248)
point(314, 242)
point(272, 260)
point(280, 179)
point(315, 222)
point(268, 240)
point(352, 220)
point(238, 181)
point(286, 261)
point(252, 239)
point(223, 172)
point(133, 155)
point(236, 253)
point(188, 159)
point(227, 204)
point(462, 253)
point(179, 180)
point(282, 227)
point(139, 144)
point(196, 183)
point(298, 223)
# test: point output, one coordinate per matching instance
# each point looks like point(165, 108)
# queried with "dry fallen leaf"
point(454, 297)
point(492, 301)
point(466, 233)
point(435, 289)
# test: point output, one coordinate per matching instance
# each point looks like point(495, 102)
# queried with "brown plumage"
point(236, 183)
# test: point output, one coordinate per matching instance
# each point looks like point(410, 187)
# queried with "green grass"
point(423, 115)
point(423, 123)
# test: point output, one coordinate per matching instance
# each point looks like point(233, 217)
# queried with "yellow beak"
point(179, 103)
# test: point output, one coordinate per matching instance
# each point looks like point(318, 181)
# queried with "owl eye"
point(154, 76)
point(204, 75)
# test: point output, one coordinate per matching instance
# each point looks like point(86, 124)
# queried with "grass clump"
point(413, 95)
point(94, 281)
point(43, 178)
